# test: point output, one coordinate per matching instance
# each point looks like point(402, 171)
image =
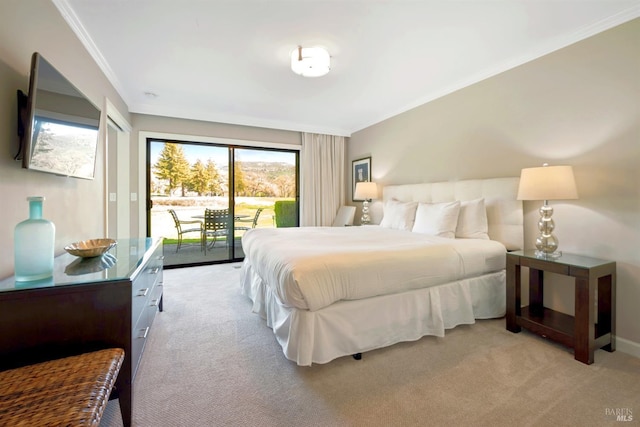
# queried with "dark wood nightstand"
point(593, 325)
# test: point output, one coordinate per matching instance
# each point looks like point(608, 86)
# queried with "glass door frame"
point(231, 147)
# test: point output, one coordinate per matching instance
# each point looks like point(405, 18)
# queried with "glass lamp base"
point(365, 219)
point(546, 242)
point(545, 255)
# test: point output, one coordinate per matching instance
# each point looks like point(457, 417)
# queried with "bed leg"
point(357, 356)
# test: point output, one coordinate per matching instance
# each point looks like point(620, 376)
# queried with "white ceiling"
point(228, 60)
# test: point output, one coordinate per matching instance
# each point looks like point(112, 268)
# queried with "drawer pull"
point(161, 257)
point(143, 333)
point(155, 302)
point(143, 292)
point(154, 270)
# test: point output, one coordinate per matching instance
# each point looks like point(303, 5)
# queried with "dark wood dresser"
point(88, 304)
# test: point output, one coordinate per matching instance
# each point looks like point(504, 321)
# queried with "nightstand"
point(593, 325)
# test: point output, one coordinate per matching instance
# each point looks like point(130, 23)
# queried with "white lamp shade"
point(310, 61)
point(547, 183)
point(366, 191)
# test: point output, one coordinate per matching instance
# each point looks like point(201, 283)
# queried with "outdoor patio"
point(190, 252)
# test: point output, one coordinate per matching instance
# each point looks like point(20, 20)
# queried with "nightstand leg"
point(513, 295)
point(606, 309)
point(584, 320)
point(536, 291)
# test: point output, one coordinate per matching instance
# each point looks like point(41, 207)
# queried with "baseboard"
point(628, 346)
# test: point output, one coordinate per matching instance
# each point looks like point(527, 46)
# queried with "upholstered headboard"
point(504, 212)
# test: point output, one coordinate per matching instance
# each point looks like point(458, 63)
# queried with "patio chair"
point(217, 223)
point(192, 229)
point(253, 221)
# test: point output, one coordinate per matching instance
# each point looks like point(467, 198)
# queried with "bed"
point(435, 261)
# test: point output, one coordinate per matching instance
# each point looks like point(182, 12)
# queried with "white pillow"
point(472, 221)
point(437, 219)
point(398, 215)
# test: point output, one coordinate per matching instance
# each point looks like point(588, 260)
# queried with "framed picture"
point(360, 172)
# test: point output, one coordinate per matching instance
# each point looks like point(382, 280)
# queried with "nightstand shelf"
point(551, 324)
point(593, 325)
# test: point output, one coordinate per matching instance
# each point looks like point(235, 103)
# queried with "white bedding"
point(312, 267)
point(350, 327)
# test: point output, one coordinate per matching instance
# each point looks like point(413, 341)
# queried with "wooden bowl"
point(90, 248)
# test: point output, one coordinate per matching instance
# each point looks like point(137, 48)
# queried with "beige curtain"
point(322, 182)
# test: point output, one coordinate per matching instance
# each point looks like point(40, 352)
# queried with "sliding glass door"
point(204, 197)
point(265, 190)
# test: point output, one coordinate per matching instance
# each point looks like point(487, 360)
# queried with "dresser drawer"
point(156, 296)
point(143, 286)
point(138, 340)
point(146, 300)
point(156, 263)
point(140, 293)
point(141, 329)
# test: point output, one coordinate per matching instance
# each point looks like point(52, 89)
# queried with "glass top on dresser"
point(119, 263)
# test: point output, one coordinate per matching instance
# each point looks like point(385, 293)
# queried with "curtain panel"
point(322, 178)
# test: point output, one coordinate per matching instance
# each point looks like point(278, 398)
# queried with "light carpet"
point(209, 361)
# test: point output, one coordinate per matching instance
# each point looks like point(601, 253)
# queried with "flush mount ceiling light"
point(310, 61)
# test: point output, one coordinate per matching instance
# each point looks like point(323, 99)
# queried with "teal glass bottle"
point(33, 242)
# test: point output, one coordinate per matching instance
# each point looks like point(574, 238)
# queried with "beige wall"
point(75, 206)
point(577, 106)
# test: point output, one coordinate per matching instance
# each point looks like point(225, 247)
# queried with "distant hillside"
point(265, 169)
point(257, 179)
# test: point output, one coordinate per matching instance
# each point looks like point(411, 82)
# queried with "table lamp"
point(366, 191)
point(547, 183)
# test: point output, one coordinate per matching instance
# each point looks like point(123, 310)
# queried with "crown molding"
point(76, 26)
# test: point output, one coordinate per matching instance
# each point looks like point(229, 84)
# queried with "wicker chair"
point(181, 231)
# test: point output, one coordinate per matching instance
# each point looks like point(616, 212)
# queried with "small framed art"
point(360, 172)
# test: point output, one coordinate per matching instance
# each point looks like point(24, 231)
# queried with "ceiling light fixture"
point(310, 61)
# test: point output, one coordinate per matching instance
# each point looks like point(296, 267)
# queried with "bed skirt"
point(350, 327)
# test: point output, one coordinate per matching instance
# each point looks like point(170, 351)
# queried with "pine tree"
point(214, 187)
point(173, 166)
point(199, 178)
point(238, 179)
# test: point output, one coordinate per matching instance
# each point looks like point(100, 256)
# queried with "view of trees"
point(204, 179)
point(173, 167)
point(252, 179)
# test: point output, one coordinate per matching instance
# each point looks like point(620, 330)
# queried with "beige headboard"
point(504, 211)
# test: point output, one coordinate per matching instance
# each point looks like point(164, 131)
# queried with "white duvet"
point(313, 267)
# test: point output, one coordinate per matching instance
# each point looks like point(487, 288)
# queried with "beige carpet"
point(210, 362)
